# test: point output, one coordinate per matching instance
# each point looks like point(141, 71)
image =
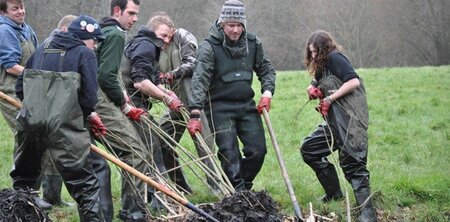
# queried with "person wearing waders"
point(222, 86)
point(343, 105)
point(139, 71)
point(117, 113)
point(176, 64)
point(58, 90)
point(18, 43)
point(52, 181)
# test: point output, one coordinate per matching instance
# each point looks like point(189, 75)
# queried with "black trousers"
point(233, 123)
point(315, 149)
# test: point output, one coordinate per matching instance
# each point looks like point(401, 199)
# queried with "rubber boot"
point(51, 190)
point(367, 212)
point(329, 180)
point(40, 203)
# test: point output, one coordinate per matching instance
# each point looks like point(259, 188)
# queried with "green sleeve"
point(201, 78)
point(109, 56)
point(264, 69)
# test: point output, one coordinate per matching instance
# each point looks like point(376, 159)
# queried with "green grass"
point(409, 151)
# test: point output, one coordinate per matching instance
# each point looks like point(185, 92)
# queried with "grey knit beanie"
point(233, 11)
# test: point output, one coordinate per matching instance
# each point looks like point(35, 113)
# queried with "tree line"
point(382, 33)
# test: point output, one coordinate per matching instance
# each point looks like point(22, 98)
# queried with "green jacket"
point(206, 74)
point(109, 55)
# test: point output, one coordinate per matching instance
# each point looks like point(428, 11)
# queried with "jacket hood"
point(216, 31)
point(23, 29)
point(5, 20)
point(65, 40)
point(144, 31)
point(109, 21)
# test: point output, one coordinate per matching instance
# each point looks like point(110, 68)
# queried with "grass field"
point(409, 153)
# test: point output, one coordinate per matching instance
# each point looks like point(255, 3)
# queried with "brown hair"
point(122, 4)
point(4, 5)
point(324, 43)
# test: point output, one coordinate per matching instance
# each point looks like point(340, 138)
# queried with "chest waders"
point(348, 119)
point(234, 115)
point(51, 119)
point(8, 83)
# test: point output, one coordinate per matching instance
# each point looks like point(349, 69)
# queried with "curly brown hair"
point(324, 43)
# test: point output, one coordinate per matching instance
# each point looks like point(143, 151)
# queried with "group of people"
point(86, 83)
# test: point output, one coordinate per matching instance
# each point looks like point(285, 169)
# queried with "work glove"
point(264, 102)
point(166, 78)
point(324, 106)
point(314, 93)
point(96, 125)
point(194, 124)
point(132, 112)
point(172, 101)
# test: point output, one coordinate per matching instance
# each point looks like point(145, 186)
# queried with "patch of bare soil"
point(18, 205)
point(248, 206)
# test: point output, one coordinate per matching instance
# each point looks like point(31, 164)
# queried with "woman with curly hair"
point(343, 105)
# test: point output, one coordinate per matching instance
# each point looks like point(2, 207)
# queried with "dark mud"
point(248, 206)
point(18, 205)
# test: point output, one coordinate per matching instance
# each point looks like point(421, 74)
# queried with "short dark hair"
point(121, 3)
point(4, 5)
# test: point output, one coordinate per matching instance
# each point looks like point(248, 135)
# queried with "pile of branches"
point(18, 205)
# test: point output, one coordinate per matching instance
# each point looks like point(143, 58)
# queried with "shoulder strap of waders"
point(61, 52)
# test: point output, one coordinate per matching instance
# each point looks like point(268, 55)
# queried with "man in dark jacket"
point(58, 88)
point(226, 61)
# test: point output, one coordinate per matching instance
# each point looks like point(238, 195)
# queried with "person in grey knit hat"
point(221, 86)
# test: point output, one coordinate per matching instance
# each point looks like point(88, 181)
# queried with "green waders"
point(7, 86)
point(123, 140)
point(51, 119)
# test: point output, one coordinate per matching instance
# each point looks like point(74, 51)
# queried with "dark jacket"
point(205, 72)
point(140, 63)
point(109, 54)
point(78, 58)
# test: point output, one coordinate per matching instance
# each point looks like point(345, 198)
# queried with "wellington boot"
point(367, 212)
point(41, 203)
point(330, 182)
point(51, 190)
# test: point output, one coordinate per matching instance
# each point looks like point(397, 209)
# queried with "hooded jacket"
point(109, 54)
point(11, 34)
point(141, 55)
point(206, 71)
point(78, 58)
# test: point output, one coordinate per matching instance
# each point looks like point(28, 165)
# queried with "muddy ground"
point(248, 206)
point(18, 205)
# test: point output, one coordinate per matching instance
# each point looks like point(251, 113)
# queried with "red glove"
point(96, 125)
point(315, 93)
point(264, 103)
point(166, 78)
point(132, 112)
point(194, 124)
point(324, 106)
point(172, 101)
